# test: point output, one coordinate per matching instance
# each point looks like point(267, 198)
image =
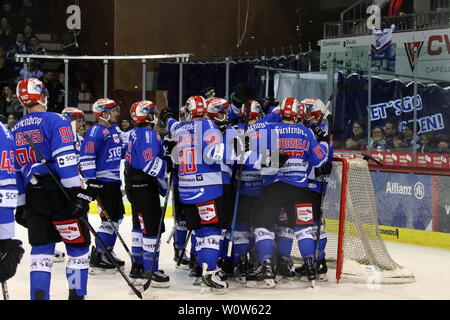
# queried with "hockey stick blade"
point(86, 222)
point(368, 157)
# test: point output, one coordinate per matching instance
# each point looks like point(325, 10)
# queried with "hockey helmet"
point(31, 92)
point(215, 107)
point(72, 113)
point(103, 105)
point(315, 108)
point(195, 107)
point(291, 108)
point(256, 111)
point(141, 110)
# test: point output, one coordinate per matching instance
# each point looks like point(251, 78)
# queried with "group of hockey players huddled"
point(245, 176)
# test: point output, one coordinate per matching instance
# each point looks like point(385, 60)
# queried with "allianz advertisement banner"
point(403, 200)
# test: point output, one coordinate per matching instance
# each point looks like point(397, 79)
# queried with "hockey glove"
point(267, 103)
point(324, 170)
point(165, 115)
point(168, 146)
point(79, 206)
point(320, 134)
point(208, 92)
point(274, 159)
point(21, 216)
point(94, 187)
point(238, 102)
point(11, 252)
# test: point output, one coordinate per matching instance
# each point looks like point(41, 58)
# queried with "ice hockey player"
point(11, 251)
point(51, 217)
point(76, 118)
point(292, 152)
point(204, 196)
point(250, 189)
point(101, 153)
point(145, 178)
point(315, 111)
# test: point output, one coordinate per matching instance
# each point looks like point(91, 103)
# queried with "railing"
point(407, 22)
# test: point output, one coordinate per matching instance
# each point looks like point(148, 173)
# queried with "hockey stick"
point(58, 183)
point(116, 231)
point(368, 157)
point(158, 237)
point(5, 291)
point(184, 248)
point(245, 92)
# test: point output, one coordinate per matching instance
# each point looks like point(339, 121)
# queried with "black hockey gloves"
point(21, 216)
point(79, 206)
point(165, 115)
point(267, 103)
point(11, 252)
point(274, 159)
point(320, 134)
point(208, 92)
point(324, 170)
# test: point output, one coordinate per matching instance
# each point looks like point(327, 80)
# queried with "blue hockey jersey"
point(316, 183)
point(101, 152)
point(52, 135)
point(8, 185)
point(305, 153)
point(201, 160)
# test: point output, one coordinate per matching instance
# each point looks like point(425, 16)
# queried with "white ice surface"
point(430, 266)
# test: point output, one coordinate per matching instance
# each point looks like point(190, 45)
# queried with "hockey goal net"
point(355, 247)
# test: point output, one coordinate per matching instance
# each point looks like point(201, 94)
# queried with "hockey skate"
point(185, 261)
point(212, 282)
point(136, 274)
point(196, 271)
point(262, 277)
point(73, 295)
point(59, 256)
point(159, 279)
point(100, 264)
point(285, 271)
point(241, 270)
point(226, 269)
point(321, 267)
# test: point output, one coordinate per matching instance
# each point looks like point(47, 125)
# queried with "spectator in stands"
point(34, 47)
point(11, 102)
point(358, 135)
point(51, 85)
point(428, 143)
point(408, 132)
point(32, 71)
point(28, 34)
point(60, 92)
point(377, 142)
point(4, 73)
point(6, 33)
point(8, 13)
point(12, 120)
point(399, 144)
point(390, 129)
point(443, 147)
point(17, 48)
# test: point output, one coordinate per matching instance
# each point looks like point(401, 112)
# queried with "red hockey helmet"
point(291, 108)
point(141, 110)
point(256, 111)
point(31, 92)
point(195, 107)
point(215, 107)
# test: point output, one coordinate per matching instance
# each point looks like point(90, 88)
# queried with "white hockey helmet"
point(31, 92)
point(72, 113)
point(215, 107)
point(256, 111)
point(315, 108)
point(103, 105)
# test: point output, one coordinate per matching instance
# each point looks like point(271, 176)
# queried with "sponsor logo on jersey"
point(67, 160)
point(69, 230)
point(8, 198)
point(87, 165)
